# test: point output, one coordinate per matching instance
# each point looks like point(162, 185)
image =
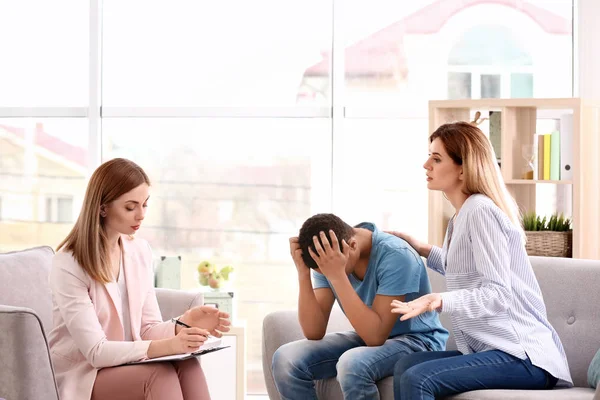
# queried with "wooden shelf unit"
point(536, 182)
point(518, 127)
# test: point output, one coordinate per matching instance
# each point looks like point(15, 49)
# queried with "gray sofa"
point(26, 316)
point(571, 290)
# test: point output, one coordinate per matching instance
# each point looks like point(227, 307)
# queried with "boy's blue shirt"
point(395, 269)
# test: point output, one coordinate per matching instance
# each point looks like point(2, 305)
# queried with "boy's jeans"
point(297, 365)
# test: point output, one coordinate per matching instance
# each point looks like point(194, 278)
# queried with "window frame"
point(50, 212)
point(477, 71)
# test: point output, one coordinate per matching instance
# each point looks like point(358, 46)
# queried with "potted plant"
point(215, 278)
point(548, 237)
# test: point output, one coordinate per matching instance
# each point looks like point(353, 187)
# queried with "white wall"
point(587, 51)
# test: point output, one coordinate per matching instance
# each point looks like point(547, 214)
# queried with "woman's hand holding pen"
point(188, 340)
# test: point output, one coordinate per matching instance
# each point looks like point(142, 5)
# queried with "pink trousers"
point(156, 381)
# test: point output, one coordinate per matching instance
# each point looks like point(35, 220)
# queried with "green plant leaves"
point(556, 223)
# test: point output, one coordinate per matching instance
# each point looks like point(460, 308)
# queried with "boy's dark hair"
point(313, 226)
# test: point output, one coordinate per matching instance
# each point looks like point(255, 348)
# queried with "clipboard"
point(214, 345)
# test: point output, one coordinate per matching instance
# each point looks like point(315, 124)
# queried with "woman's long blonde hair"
point(87, 241)
point(468, 146)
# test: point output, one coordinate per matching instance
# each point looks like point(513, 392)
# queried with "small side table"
point(225, 370)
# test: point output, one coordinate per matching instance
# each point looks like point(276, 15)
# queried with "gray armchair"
point(26, 315)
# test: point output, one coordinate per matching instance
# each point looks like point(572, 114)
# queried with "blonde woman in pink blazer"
point(104, 307)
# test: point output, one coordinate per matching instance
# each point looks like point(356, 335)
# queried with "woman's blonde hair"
point(468, 146)
point(87, 241)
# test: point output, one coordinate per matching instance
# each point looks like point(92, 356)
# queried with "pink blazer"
point(87, 332)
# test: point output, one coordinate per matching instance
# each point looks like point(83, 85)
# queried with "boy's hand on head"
point(331, 261)
point(296, 253)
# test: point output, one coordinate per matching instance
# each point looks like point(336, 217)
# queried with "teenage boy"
point(364, 269)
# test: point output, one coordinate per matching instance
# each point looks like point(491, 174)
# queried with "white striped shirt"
point(493, 296)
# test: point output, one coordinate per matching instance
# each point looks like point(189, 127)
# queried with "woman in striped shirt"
point(498, 315)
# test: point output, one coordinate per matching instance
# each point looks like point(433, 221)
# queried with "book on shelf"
point(540, 157)
point(555, 151)
point(566, 147)
point(555, 155)
point(546, 157)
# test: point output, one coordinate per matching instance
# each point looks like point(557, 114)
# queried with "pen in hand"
point(180, 323)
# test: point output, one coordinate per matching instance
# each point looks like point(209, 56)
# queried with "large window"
point(43, 169)
point(250, 116)
point(214, 54)
point(44, 53)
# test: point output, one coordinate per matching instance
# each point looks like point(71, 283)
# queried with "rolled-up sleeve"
point(434, 260)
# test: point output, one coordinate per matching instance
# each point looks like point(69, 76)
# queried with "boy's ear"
point(353, 243)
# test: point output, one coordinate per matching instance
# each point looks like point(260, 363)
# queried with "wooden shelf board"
point(557, 103)
point(535, 181)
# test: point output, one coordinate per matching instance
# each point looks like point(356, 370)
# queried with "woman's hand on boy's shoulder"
point(422, 248)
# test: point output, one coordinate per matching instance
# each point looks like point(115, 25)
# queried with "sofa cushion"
point(24, 281)
point(501, 394)
point(329, 389)
point(570, 288)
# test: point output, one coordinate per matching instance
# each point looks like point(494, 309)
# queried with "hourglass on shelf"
point(528, 165)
